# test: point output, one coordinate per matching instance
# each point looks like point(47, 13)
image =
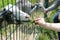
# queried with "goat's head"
point(12, 13)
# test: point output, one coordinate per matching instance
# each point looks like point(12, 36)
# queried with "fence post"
point(46, 3)
point(46, 6)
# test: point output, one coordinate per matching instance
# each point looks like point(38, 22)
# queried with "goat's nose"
point(27, 17)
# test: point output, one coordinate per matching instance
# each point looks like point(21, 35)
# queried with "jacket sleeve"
point(53, 6)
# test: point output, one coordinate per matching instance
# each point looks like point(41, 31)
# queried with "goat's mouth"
point(23, 20)
point(28, 21)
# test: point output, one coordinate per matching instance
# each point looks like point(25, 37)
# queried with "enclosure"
point(25, 30)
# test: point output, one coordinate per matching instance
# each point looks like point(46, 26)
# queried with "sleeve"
point(53, 6)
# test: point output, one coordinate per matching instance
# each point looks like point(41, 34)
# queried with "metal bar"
point(33, 9)
point(1, 23)
point(46, 6)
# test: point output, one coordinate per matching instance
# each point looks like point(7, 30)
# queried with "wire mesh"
point(25, 31)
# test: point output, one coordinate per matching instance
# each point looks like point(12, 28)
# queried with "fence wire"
point(25, 31)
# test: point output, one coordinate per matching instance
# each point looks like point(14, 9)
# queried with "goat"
point(11, 13)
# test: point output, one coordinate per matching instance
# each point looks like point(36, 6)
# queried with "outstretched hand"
point(40, 21)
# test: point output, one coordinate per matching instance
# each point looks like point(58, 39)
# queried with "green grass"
point(6, 2)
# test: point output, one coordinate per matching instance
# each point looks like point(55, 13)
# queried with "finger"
point(37, 19)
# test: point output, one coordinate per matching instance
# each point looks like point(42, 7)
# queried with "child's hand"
point(40, 21)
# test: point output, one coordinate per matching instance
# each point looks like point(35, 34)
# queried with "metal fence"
point(12, 12)
point(14, 31)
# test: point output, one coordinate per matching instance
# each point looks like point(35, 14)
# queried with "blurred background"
point(28, 30)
